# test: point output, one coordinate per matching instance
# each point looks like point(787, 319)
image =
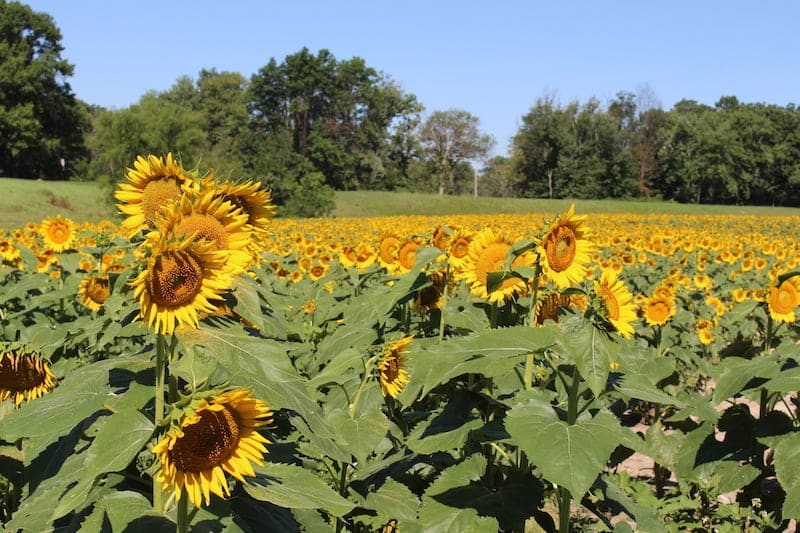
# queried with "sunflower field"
point(200, 365)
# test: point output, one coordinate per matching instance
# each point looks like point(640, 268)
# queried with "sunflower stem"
point(342, 493)
point(528, 379)
point(367, 372)
point(161, 364)
point(183, 513)
point(444, 302)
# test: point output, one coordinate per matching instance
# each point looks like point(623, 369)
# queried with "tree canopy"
point(41, 121)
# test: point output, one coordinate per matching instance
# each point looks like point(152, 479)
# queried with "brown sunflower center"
point(208, 443)
point(21, 373)
point(58, 232)
point(560, 248)
point(205, 227)
point(391, 369)
point(157, 193)
point(98, 290)
point(175, 279)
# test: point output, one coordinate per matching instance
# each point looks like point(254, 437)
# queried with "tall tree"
point(537, 148)
point(449, 138)
point(41, 121)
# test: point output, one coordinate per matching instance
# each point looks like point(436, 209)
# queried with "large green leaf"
point(785, 382)
point(118, 441)
point(640, 387)
point(787, 469)
point(734, 373)
point(362, 434)
point(490, 353)
point(126, 511)
point(438, 516)
point(591, 349)
point(568, 455)
point(394, 500)
point(294, 487)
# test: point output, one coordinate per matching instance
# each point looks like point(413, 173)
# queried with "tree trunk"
point(549, 174)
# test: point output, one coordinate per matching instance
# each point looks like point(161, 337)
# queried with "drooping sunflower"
point(548, 305)
point(617, 302)
point(24, 375)
point(94, 291)
point(431, 297)
point(219, 437)
point(487, 253)
point(152, 183)
point(180, 279)
point(213, 219)
point(58, 233)
point(565, 249)
point(391, 371)
point(783, 299)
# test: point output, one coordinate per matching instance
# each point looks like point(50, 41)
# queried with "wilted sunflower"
point(210, 218)
point(58, 233)
point(24, 375)
point(180, 280)
point(487, 253)
point(392, 374)
point(93, 291)
point(548, 305)
point(617, 302)
point(153, 182)
point(565, 250)
point(782, 300)
point(220, 436)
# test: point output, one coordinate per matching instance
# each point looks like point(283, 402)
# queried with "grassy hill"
point(23, 201)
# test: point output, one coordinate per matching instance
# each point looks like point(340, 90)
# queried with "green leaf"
point(490, 352)
point(787, 470)
point(126, 511)
point(294, 487)
point(394, 500)
point(592, 351)
point(734, 373)
point(785, 382)
point(640, 387)
point(571, 456)
point(362, 434)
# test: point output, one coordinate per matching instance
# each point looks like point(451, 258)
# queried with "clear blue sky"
point(493, 59)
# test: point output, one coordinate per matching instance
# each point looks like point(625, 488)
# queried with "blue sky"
point(493, 59)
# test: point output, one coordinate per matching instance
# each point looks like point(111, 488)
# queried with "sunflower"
point(407, 255)
point(153, 182)
point(219, 436)
point(617, 304)
point(93, 291)
point(179, 281)
point(9, 252)
point(24, 375)
point(253, 200)
point(210, 218)
point(388, 250)
point(458, 250)
point(782, 300)
point(430, 297)
point(393, 377)
point(58, 233)
point(659, 309)
point(548, 305)
point(703, 330)
point(565, 250)
point(487, 253)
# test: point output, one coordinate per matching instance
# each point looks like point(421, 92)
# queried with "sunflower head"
point(616, 302)
point(93, 291)
point(151, 185)
point(548, 305)
point(388, 252)
point(703, 328)
point(564, 249)
point(218, 436)
point(487, 253)
point(391, 370)
point(180, 280)
point(24, 374)
point(782, 299)
point(58, 233)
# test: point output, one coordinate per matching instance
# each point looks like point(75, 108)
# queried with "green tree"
point(450, 139)
point(41, 121)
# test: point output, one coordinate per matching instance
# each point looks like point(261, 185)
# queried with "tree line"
point(311, 124)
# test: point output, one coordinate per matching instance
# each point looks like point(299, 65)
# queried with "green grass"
point(23, 201)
